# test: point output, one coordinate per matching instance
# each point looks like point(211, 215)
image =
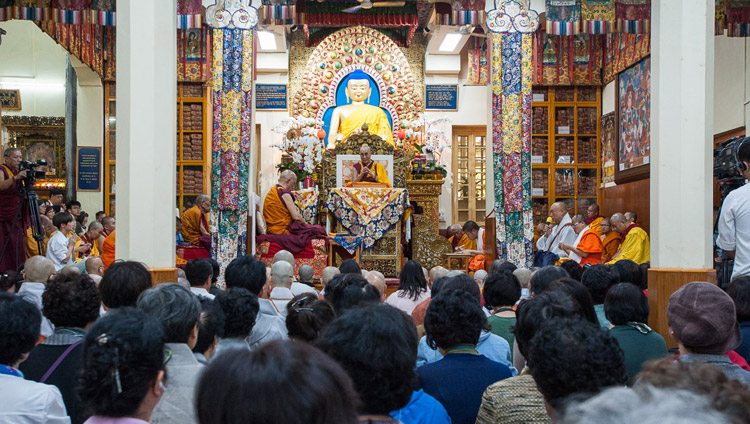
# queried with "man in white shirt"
point(199, 272)
point(734, 222)
point(562, 232)
point(281, 276)
point(36, 272)
point(61, 246)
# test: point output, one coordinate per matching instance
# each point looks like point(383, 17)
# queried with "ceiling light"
point(267, 40)
point(450, 42)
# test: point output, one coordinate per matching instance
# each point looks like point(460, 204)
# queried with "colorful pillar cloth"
point(232, 82)
point(511, 42)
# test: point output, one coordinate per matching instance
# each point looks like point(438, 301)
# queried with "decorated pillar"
point(232, 71)
point(511, 27)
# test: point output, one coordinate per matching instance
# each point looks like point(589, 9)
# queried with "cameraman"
point(12, 225)
point(734, 221)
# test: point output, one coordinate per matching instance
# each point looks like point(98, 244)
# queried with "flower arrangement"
point(426, 135)
point(301, 142)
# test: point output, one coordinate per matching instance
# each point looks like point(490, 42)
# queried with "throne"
point(386, 254)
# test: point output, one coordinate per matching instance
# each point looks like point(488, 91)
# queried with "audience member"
point(420, 310)
point(524, 278)
point(627, 309)
point(574, 270)
point(437, 272)
point(377, 279)
point(542, 277)
point(501, 292)
point(199, 272)
point(271, 377)
point(702, 319)
point(88, 240)
point(95, 268)
point(24, 401)
point(214, 290)
point(593, 219)
point(123, 375)
point(347, 291)
point(210, 330)
point(306, 274)
point(178, 310)
point(562, 365)
point(610, 240)
point(350, 266)
point(122, 283)
point(37, 270)
point(241, 310)
point(453, 323)
point(61, 246)
point(248, 273)
point(598, 279)
point(583, 304)
point(9, 280)
point(500, 265)
point(412, 288)
point(72, 305)
point(282, 275)
point(628, 271)
point(739, 291)
point(480, 276)
point(328, 273)
point(307, 316)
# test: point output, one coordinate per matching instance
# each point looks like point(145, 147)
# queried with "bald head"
point(109, 223)
point(453, 230)
point(306, 273)
point(365, 148)
point(47, 225)
point(631, 217)
point(557, 211)
point(377, 279)
point(282, 274)
point(328, 273)
point(94, 265)
point(284, 255)
point(619, 223)
point(437, 272)
point(578, 218)
point(95, 225)
point(286, 176)
point(592, 211)
point(38, 269)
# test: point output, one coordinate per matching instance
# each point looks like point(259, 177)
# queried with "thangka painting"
point(609, 144)
point(634, 119)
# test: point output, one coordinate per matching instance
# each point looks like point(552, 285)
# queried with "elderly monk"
point(593, 219)
point(109, 223)
point(366, 171)
point(458, 239)
point(630, 217)
point(634, 244)
point(195, 228)
point(475, 246)
point(562, 232)
point(587, 249)
point(90, 237)
point(610, 240)
point(284, 222)
point(32, 248)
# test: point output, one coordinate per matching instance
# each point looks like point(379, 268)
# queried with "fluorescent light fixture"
point(450, 42)
point(20, 85)
point(267, 40)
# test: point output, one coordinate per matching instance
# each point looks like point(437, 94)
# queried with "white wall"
point(729, 83)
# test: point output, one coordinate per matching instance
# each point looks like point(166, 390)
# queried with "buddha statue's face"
point(358, 90)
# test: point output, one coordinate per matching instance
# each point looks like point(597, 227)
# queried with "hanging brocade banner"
point(598, 16)
point(738, 18)
point(511, 40)
point(563, 17)
point(232, 71)
point(633, 16)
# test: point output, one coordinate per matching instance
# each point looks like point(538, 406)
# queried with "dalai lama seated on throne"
point(284, 222)
point(368, 173)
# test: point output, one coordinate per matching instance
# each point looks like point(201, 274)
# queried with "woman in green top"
point(501, 292)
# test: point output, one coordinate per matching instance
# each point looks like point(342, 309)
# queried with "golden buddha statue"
point(349, 118)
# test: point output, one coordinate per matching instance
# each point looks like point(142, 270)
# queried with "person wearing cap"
point(702, 319)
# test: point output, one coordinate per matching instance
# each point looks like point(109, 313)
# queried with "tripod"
point(30, 199)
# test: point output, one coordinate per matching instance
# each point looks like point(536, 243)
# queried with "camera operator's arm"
point(6, 183)
point(727, 239)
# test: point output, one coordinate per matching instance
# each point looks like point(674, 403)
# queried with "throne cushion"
point(314, 254)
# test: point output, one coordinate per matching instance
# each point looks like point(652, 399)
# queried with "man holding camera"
point(734, 222)
point(12, 225)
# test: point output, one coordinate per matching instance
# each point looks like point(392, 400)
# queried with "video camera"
point(33, 174)
point(726, 170)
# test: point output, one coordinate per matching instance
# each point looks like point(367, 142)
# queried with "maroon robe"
point(12, 234)
point(367, 178)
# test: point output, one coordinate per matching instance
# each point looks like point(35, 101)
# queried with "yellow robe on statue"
point(275, 213)
point(373, 116)
point(191, 225)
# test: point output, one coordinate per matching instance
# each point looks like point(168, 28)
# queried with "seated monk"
point(284, 222)
point(593, 219)
point(458, 239)
point(32, 248)
point(195, 228)
point(472, 231)
point(90, 237)
point(634, 243)
point(610, 240)
point(587, 249)
point(108, 251)
point(366, 171)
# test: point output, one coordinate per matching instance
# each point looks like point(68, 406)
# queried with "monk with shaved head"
point(587, 248)
point(593, 219)
point(562, 232)
point(610, 240)
point(634, 242)
point(195, 222)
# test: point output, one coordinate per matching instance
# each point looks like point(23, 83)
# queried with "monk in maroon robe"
point(12, 233)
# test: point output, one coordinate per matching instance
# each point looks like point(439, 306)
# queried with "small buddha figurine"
point(349, 118)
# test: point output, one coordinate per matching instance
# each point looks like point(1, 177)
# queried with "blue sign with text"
point(441, 97)
point(88, 174)
point(270, 96)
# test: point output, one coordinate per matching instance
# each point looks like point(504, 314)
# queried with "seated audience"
point(377, 279)
point(382, 373)
point(500, 265)
point(240, 309)
point(480, 276)
point(453, 324)
point(178, 310)
point(583, 304)
point(282, 275)
point(501, 292)
point(199, 272)
point(702, 319)
point(307, 316)
point(626, 307)
point(524, 278)
point(248, 273)
point(9, 280)
point(593, 219)
point(72, 305)
point(610, 240)
point(328, 273)
point(574, 270)
point(61, 248)
point(648, 405)
point(634, 242)
point(628, 271)
point(350, 266)
point(542, 277)
point(420, 310)
point(598, 279)
point(123, 375)
point(88, 240)
point(562, 365)
point(214, 290)
point(347, 291)
point(587, 247)
point(306, 274)
point(37, 270)
point(271, 377)
point(739, 291)
point(122, 283)
point(24, 401)
point(412, 288)
point(210, 330)
point(95, 268)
